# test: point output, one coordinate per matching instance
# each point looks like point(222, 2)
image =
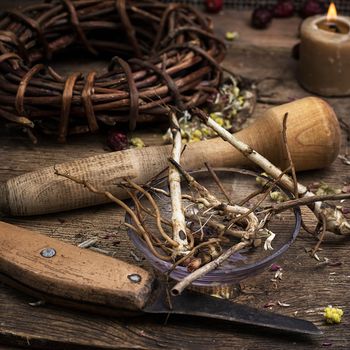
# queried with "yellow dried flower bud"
point(333, 314)
point(137, 142)
point(231, 35)
point(197, 133)
point(220, 121)
point(278, 196)
point(195, 139)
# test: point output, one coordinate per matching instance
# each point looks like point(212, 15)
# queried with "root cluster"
point(203, 230)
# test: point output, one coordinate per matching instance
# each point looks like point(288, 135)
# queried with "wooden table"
point(307, 285)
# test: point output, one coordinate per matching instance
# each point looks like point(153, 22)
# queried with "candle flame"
point(332, 12)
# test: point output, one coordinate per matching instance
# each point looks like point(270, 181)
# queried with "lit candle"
point(324, 65)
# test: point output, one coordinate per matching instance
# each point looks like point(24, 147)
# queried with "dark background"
point(343, 6)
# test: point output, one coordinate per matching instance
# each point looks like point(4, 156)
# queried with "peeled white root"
point(334, 218)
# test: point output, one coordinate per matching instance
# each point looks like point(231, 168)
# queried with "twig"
point(145, 209)
point(185, 282)
point(336, 221)
point(214, 203)
point(157, 212)
point(314, 251)
point(218, 182)
point(177, 215)
point(289, 155)
point(279, 207)
point(192, 252)
point(266, 193)
point(88, 243)
point(217, 226)
point(138, 229)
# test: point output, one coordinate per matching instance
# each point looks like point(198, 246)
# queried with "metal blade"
point(195, 304)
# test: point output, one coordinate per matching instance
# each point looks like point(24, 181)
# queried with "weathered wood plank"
point(306, 285)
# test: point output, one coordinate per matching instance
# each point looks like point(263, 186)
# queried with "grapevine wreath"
point(164, 54)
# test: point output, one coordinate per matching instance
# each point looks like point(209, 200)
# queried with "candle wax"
point(324, 66)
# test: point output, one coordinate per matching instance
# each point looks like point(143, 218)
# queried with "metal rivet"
point(135, 278)
point(48, 252)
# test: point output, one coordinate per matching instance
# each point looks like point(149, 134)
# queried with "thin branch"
point(177, 214)
point(289, 155)
point(157, 212)
point(189, 279)
point(218, 182)
point(279, 207)
point(138, 229)
point(317, 246)
point(336, 221)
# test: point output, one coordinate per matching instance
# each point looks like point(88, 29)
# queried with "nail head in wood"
point(48, 252)
point(135, 278)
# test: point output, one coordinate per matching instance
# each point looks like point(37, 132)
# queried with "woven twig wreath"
point(164, 54)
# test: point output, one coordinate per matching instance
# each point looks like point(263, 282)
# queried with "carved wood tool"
point(62, 274)
point(313, 139)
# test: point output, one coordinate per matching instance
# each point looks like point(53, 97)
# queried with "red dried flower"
point(117, 141)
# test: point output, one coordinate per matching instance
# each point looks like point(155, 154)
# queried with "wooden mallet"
point(313, 138)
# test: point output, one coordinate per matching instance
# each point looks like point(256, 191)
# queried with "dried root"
point(334, 221)
point(178, 217)
point(203, 230)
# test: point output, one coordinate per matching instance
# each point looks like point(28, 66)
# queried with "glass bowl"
point(238, 183)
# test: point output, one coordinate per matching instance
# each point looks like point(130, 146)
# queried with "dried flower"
point(312, 8)
point(137, 142)
point(284, 9)
point(325, 189)
point(262, 233)
point(275, 267)
point(332, 314)
point(261, 17)
point(261, 180)
point(231, 36)
point(117, 140)
point(214, 6)
point(278, 196)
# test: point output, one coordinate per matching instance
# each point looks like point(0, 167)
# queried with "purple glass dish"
point(238, 183)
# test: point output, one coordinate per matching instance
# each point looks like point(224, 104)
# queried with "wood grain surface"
point(307, 285)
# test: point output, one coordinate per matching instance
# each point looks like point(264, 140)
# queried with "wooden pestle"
point(313, 137)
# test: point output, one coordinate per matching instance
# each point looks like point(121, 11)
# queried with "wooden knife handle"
point(62, 270)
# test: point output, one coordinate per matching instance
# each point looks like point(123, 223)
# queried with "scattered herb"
point(214, 6)
point(261, 17)
point(223, 108)
point(260, 180)
point(278, 274)
point(137, 142)
point(230, 36)
point(284, 9)
point(325, 189)
point(278, 196)
point(312, 8)
point(282, 304)
point(117, 140)
point(345, 159)
point(275, 267)
point(332, 314)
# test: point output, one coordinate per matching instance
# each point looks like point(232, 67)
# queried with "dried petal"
point(275, 267)
point(137, 142)
point(282, 304)
point(117, 140)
